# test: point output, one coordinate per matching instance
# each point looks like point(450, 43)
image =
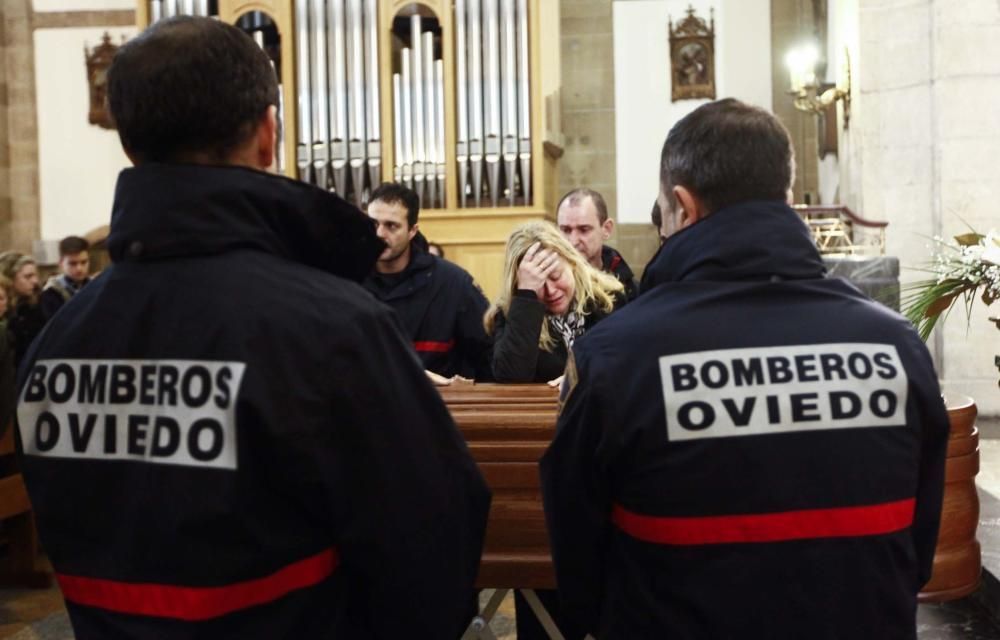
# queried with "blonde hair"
point(8, 289)
point(594, 290)
point(11, 262)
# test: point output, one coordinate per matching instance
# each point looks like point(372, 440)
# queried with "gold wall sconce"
point(810, 95)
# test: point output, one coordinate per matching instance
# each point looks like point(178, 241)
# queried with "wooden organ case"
point(455, 98)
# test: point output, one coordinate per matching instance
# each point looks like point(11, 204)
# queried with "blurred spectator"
point(74, 263)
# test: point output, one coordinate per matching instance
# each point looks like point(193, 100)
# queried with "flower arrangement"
point(961, 268)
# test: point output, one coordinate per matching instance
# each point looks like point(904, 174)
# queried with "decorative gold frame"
point(692, 57)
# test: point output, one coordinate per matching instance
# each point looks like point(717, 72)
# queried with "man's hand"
point(557, 382)
point(535, 268)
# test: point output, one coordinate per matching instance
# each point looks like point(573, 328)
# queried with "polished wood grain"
point(957, 558)
point(508, 428)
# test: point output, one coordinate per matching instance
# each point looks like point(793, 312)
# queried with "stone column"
point(19, 222)
point(922, 151)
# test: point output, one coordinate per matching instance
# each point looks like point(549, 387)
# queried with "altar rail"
point(838, 231)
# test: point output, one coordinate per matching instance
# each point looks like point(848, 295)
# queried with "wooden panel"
point(508, 428)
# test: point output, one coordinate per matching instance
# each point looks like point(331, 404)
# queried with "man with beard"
point(439, 305)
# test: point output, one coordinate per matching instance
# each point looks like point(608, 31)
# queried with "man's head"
point(74, 258)
point(722, 153)
point(394, 208)
point(582, 216)
point(194, 90)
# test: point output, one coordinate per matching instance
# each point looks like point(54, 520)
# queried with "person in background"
point(550, 296)
point(750, 449)
point(7, 372)
point(25, 317)
point(437, 302)
point(582, 216)
point(74, 265)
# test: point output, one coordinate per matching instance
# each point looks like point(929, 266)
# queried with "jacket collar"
point(172, 210)
point(613, 262)
point(749, 241)
point(409, 280)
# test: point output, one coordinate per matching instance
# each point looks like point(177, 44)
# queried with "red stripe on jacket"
point(436, 347)
point(197, 603)
point(808, 524)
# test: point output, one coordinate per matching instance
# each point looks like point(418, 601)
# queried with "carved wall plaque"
point(692, 57)
point(98, 60)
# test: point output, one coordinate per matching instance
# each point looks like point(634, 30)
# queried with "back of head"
point(72, 245)
point(189, 86)
point(728, 152)
point(395, 193)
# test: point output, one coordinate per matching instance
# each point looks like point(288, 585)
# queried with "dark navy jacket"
point(614, 263)
point(224, 437)
point(441, 310)
point(750, 450)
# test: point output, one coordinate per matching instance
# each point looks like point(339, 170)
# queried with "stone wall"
point(19, 224)
point(921, 151)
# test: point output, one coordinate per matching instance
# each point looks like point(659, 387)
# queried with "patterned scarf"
point(569, 327)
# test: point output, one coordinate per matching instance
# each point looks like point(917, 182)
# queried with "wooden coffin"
point(508, 427)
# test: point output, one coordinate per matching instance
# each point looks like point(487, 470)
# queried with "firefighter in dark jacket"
point(223, 436)
point(438, 304)
point(582, 216)
point(749, 450)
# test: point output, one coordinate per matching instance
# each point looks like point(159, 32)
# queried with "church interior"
point(894, 153)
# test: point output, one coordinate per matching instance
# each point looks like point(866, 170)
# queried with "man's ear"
point(413, 230)
point(608, 226)
point(266, 137)
point(691, 208)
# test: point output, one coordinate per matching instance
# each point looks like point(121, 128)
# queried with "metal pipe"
point(372, 123)
point(169, 8)
point(462, 100)
point(474, 44)
point(201, 8)
point(397, 108)
point(524, 100)
point(186, 7)
point(439, 129)
point(407, 121)
point(417, 113)
point(320, 114)
point(356, 98)
point(430, 118)
point(304, 98)
point(491, 97)
point(155, 11)
point(337, 90)
point(508, 96)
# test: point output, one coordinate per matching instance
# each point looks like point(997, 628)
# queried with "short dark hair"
point(189, 85)
point(395, 193)
point(656, 216)
point(727, 152)
point(72, 245)
point(576, 196)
